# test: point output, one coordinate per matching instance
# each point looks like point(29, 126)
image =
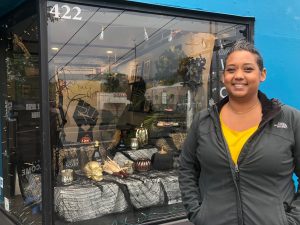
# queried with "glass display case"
point(123, 86)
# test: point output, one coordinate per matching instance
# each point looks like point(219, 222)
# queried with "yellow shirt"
point(236, 139)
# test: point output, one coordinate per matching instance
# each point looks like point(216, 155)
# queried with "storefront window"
point(20, 181)
point(124, 88)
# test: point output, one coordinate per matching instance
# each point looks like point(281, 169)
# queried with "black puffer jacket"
point(260, 189)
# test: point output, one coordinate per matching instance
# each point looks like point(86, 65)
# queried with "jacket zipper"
point(236, 177)
point(237, 173)
point(239, 200)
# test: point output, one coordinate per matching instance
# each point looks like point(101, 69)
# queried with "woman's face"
point(242, 75)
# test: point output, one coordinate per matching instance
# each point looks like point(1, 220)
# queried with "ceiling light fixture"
point(109, 52)
point(55, 49)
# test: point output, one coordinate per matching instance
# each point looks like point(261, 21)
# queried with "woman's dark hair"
point(243, 45)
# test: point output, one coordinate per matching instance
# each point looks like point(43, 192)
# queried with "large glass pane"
point(21, 149)
point(124, 87)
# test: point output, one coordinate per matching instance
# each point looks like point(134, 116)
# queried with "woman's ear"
point(263, 75)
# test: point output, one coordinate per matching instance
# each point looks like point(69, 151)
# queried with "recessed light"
point(109, 52)
point(55, 49)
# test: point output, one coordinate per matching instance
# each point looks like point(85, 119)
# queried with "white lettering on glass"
point(66, 12)
point(30, 170)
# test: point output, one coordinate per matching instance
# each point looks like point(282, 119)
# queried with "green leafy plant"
point(115, 82)
point(167, 64)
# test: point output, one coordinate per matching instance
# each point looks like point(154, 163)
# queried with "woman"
point(238, 159)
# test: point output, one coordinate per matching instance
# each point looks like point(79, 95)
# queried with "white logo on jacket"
point(281, 125)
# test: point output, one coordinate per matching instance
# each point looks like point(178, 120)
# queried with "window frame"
point(47, 179)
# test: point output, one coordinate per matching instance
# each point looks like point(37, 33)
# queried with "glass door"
point(20, 180)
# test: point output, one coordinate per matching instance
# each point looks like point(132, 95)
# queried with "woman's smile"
point(242, 75)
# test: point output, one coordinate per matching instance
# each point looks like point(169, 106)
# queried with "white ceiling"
point(79, 43)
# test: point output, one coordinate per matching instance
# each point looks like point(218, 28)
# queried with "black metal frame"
point(47, 191)
point(47, 184)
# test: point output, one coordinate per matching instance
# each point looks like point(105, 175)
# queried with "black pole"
point(47, 190)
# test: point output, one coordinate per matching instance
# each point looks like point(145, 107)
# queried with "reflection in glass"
point(114, 71)
point(21, 161)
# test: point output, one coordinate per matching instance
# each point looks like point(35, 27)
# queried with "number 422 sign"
point(66, 12)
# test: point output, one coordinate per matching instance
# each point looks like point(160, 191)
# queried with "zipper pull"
point(237, 173)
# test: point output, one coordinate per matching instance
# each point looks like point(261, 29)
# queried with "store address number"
point(66, 12)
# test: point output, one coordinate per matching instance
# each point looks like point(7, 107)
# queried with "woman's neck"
point(243, 107)
point(241, 115)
